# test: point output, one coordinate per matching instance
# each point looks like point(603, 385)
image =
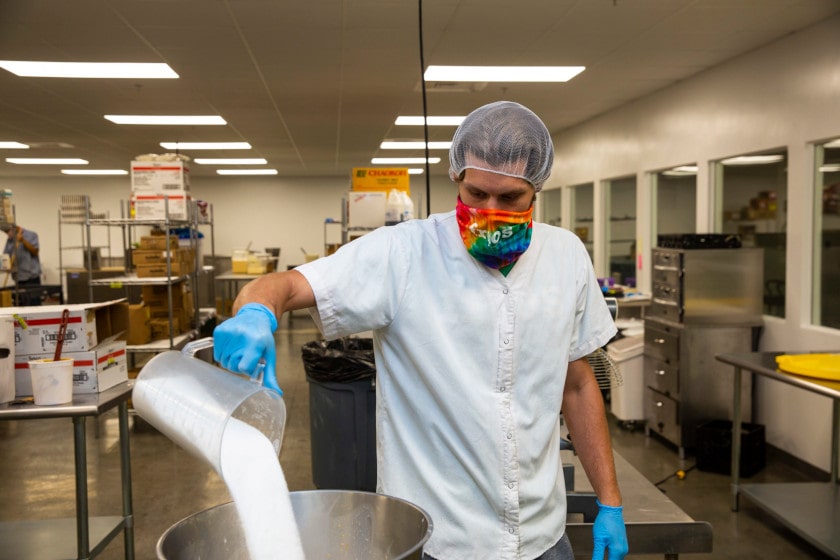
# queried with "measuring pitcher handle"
point(192, 348)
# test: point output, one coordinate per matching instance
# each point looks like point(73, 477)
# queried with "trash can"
point(342, 413)
point(714, 447)
point(627, 399)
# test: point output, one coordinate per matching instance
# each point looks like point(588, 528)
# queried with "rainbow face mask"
point(495, 238)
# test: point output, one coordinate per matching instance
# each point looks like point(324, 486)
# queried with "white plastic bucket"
point(52, 382)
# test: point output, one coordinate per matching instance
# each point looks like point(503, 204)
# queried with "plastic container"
point(190, 401)
point(714, 447)
point(627, 399)
point(52, 381)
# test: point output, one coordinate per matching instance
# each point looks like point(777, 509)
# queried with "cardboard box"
point(159, 242)
point(157, 296)
point(139, 328)
point(36, 328)
point(159, 176)
point(98, 369)
point(154, 206)
point(159, 270)
point(366, 209)
point(156, 256)
point(160, 327)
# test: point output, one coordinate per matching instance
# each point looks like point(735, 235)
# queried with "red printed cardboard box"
point(36, 328)
point(93, 371)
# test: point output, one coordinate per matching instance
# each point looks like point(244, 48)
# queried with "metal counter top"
point(82, 405)
point(655, 524)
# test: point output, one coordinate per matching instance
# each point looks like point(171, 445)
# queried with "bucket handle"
point(192, 348)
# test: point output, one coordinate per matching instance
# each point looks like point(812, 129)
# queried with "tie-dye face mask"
point(495, 238)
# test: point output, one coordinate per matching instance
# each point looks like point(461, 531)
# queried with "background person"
point(22, 247)
point(482, 321)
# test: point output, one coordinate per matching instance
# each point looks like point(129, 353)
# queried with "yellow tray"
point(822, 366)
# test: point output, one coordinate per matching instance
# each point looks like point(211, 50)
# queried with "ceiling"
point(314, 86)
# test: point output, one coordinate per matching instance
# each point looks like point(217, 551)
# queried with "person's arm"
point(584, 413)
point(279, 291)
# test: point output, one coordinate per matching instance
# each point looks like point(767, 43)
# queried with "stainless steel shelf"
point(133, 280)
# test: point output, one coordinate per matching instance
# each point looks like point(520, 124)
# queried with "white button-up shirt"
point(470, 373)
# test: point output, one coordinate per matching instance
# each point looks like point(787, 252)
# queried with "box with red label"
point(154, 206)
point(159, 176)
point(93, 371)
point(36, 328)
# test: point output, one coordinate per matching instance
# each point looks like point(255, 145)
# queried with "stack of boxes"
point(92, 340)
point(150, 319)
point(7, 214)
point(158, 183)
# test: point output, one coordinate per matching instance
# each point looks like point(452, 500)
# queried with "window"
point(621, 229)
point(675, 195)
point(752, 202)
point(583, 208)
point(551, 205)
point(826, 303)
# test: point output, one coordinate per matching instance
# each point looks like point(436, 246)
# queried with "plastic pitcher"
point(190, 401)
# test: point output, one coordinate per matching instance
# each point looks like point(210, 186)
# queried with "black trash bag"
point(339, 361)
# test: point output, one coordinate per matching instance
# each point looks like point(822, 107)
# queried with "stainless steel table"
point(52, 539)
point(810, 509)
point(655, 524)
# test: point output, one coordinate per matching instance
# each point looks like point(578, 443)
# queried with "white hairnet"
point(506, 138)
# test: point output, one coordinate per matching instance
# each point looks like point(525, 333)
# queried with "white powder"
point(255, 480)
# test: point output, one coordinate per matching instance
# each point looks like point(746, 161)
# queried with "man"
point(482, 321)
point(23, 248)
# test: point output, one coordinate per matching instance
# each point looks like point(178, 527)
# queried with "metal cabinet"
point(705, 302)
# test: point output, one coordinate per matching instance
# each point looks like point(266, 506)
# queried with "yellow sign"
point(380, 179)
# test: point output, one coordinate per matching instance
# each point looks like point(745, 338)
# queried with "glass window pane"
point(621, 229)
point(754, 204)
point(551, 205)
point(827, 237)
point(676, 201)
point(583, 209)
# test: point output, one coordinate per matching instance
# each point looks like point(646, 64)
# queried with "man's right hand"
point(240, 342)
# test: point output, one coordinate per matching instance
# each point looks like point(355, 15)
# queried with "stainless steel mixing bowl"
point(334, 524)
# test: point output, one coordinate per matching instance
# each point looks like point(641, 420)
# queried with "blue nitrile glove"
point(242, 341)
point(609, 533)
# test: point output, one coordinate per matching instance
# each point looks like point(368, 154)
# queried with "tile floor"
point(36, 470)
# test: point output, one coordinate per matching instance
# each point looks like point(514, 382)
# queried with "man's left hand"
point(609, 534)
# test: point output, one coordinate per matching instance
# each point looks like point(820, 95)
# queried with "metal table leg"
point(125, 464)
point(80, 452)
point(736, 437)
point(835, 440)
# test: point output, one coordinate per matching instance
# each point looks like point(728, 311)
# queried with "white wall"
point(785, 95)
point(279, 212)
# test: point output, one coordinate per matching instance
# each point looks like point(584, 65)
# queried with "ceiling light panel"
point(501, 73)
point(411, 145)
point(206, 145)
point(246, 171)
point(408, 161)
point(94, 171)
point(13, 146)
point(431, 121)
point(230, 161)
point(47, 161)
point(167, 119)
point(46, 69)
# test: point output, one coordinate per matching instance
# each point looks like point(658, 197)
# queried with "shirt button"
point(505, 291)
point(511, 530)
point(502, 388)
point(509, 436)
point(511, 485)
point(507, 340)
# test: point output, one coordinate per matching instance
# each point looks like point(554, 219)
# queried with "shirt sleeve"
point(359, 287)
point(594, 326)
